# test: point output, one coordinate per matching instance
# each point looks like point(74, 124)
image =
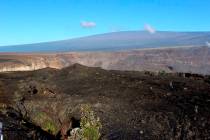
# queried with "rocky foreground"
point(45, 104)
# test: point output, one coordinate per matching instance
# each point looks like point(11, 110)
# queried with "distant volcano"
point(116, 41)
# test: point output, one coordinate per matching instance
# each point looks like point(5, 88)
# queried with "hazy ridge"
point(116, 41)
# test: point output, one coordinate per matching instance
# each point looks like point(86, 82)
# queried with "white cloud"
point(149, 29)
point(208, 44)
point(88, 24)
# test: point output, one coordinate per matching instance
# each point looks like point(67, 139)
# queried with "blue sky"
point(30, 21)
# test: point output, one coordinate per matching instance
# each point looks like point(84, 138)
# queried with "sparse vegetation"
point(46, 122)
point(49, 127)
point(90, 126)
point(162, 72)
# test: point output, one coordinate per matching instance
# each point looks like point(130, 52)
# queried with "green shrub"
point(162, 72)
point(90, 126)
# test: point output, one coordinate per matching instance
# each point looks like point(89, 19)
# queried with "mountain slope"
point(117, 41)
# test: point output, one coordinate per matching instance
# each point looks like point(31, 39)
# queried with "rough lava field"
point(131, 105)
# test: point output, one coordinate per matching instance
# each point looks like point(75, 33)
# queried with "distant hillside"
point(116, 41)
